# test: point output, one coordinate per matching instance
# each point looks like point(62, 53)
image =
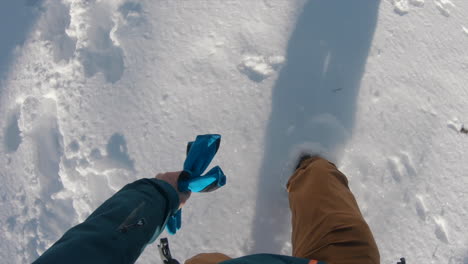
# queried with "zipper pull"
point(125, 228)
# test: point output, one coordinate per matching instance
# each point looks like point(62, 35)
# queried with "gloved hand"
point(199, 155)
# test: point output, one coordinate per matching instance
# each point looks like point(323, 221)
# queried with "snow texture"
point(96, 94)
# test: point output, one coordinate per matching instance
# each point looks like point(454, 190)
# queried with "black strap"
point(165, 252)
point(402, 261)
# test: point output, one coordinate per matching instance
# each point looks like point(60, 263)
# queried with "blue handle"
point(200, 153)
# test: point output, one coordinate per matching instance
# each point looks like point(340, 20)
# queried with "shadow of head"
point(117, 152)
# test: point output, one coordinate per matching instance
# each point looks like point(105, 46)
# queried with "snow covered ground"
point(97, 93)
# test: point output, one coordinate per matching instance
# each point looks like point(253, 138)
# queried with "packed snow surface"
point(95, 94)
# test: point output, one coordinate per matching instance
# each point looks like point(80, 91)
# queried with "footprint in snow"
point(401, 166)
point(258, 68)
point(53, 28)
point(444, 6)
point(43, 139)
point(421, 208)
point(131, 13)
point(402, 7)
point(440, 230)
point(38, 121)
point(457, 126)
point(465, 30)
point(12, 134)
point(102, 53)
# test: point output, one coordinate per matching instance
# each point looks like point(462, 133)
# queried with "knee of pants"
point(208, 258)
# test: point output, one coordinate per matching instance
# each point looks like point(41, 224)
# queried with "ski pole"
point(402, 261)
point(165, 252)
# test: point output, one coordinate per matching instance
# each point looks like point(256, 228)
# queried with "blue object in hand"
point(200, 153)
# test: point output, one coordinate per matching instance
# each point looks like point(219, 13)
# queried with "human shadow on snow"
point(313, 103)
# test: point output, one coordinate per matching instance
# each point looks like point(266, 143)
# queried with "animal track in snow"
point(99, 49)
point(420, 207)
point(258, 68)
point(401, 166)
point(465, 30)
point(402, 7)
point(443, 6)
point(457, 126)
point(441, 229)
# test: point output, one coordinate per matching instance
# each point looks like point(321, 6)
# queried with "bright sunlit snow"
point(95, 94)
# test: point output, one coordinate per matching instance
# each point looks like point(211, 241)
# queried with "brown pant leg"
point(208, 258)
point(327, 224)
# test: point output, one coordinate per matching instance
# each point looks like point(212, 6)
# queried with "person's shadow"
point(314, 101)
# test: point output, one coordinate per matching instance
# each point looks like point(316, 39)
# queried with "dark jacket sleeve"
point(271, 259)
point(119, 230)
